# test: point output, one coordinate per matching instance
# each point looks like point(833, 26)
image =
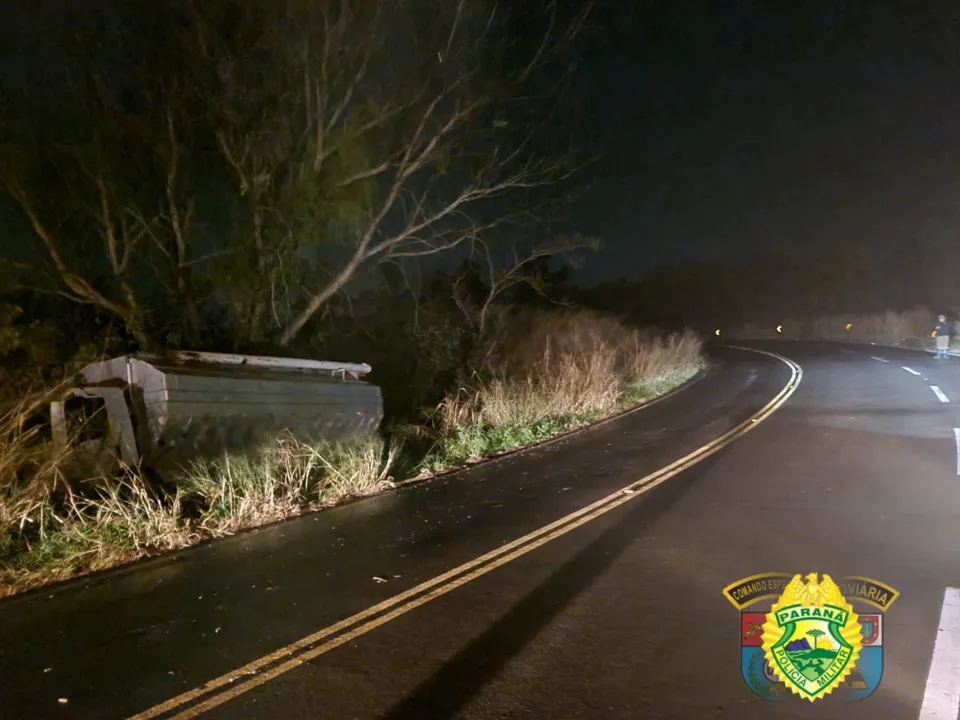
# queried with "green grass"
point(125, 519)
point(557, 377)
point(478, 441)
point(589, 378)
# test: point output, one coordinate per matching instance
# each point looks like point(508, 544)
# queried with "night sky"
point(735, 128)
point(727, 129)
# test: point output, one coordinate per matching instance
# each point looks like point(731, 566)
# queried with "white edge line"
point(924, 350)
point(956, 434)
point(941, 697)
point(939, 393)
point(878, 359)
point(911, 370)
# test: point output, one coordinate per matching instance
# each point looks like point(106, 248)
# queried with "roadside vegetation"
point(267, 180)
point(561, 371)
point(550, 371)
point(909, 328)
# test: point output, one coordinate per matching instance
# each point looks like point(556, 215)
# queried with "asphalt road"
point(619, 614)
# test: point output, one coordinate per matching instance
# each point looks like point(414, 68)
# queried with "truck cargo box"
point(193, 405)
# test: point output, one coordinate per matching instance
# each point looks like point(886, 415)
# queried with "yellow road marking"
point(451, 580)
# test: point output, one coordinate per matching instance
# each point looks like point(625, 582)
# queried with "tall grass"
point(54, 524)
point(549, 372)
point(283, 479)
point(52, 528)
point(29, 472)
point(560, 370)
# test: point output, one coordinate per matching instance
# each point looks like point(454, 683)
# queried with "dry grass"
point(554, 371)
point(280, 481)
point(123, 522)
point(52, 529)
point(55, 525)
point(562, 369)
point(29, 471)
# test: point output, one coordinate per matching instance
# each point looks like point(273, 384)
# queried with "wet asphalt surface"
point(622, 617)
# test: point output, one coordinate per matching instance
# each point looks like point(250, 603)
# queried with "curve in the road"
point(258, 672)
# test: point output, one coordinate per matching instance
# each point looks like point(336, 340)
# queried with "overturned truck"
point(164, 411)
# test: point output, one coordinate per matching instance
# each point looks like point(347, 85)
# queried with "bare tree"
point(102, 214)
point(367, 132)
point(99, 184)
point(511, 269)
point(351, 133)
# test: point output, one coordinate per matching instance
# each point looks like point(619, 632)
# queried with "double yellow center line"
point(264, 669)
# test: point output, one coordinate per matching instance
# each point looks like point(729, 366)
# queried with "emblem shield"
point(868, 672)
point(813, 642)
point(812, 637)
point(754, 668)
point(759, 677)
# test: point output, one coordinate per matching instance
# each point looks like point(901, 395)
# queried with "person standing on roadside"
point(943, 332)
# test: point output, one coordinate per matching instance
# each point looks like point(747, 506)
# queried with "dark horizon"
point(729, 134)
point(750, 128)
